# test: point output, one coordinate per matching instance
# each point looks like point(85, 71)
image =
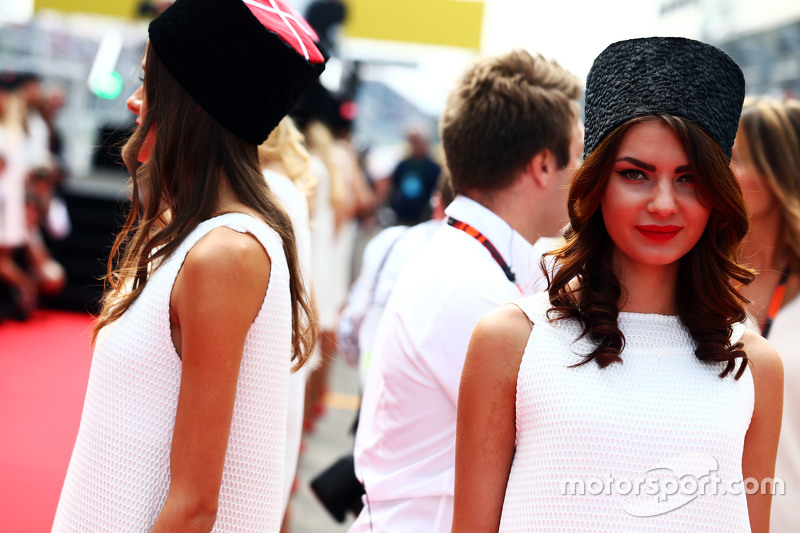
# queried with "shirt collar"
point(515, 249)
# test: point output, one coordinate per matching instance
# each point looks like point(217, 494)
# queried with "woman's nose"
point(135, 102)
point(663, 201)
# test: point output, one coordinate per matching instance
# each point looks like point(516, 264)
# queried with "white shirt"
point(405, 445)
point(384, 258)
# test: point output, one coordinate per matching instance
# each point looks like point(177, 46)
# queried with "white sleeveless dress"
point(649, 445)
point(119, 474)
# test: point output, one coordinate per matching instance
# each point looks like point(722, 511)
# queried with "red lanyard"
point(775, 303)
point(481, 238)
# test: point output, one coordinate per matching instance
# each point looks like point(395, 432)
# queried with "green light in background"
point(108, 86)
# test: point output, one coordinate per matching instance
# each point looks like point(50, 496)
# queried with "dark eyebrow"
point(638, 163)
point(647, 166)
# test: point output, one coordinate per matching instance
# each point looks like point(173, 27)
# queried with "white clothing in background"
point(384, 258)
point(296, 205)
point(405, 444)
point(784, 336)
point(37, 145)
point(119, 475)
point(661, 416)
point(13, 220)
point(323, 222)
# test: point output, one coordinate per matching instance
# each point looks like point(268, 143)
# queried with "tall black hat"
point(246, 62)
point(669, 75)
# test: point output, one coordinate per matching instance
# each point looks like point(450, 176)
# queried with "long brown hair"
point(707, 297)
point(770, 129)
point(179, 187)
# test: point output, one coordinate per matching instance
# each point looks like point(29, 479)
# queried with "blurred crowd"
point(31, 211)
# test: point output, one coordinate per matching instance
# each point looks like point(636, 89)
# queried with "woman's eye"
point(686, 178)
point(632, 174)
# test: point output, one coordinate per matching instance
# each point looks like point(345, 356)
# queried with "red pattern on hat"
point(283, 19)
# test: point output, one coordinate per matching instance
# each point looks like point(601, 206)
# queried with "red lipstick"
point(658, 233)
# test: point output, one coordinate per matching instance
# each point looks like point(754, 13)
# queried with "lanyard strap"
point(481, 238)
point(775, 302)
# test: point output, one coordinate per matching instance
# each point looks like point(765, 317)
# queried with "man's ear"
point(541, 167)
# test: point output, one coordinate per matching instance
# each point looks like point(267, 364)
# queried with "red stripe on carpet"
point(44, 368)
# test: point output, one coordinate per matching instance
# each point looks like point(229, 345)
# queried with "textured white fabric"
point(405, 444)
point(660, 415)
point(118, 476)
point(785, 338)
point(296, 206)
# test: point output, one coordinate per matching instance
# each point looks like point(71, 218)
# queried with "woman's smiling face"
point(650, 205)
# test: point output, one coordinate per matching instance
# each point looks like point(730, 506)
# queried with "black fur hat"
point(670, 75)
point(246, 62)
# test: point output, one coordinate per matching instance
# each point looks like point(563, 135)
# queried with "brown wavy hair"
point(707, 298)
point(178, 188)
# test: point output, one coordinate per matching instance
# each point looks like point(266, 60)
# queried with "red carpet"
point(44, 368)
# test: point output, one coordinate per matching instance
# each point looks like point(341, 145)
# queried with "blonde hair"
point(771, 135)
point(320, 143)
point(286, 145)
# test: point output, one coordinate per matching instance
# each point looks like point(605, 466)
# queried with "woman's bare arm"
point(761, 441)
point(486, 419)
point(217, 295)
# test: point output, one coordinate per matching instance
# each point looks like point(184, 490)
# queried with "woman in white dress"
point(766, 159)
point(286, 165)
point(185, 419)
point(628, 397)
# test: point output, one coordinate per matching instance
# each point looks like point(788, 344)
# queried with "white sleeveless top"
point(627, 448)
point(119, 476)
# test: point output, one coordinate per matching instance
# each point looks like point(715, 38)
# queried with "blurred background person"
point(341, 197)
point(27, 270)
point(413, 180)
point(286, 165)
point(20, 290)
point(766, 159)
point(384, 257)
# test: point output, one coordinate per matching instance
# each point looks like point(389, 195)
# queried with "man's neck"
point(508, 205)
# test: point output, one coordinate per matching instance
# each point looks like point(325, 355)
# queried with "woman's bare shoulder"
point(227, 248)
point(499, 340)
point(223, 266)
point(765, 361)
